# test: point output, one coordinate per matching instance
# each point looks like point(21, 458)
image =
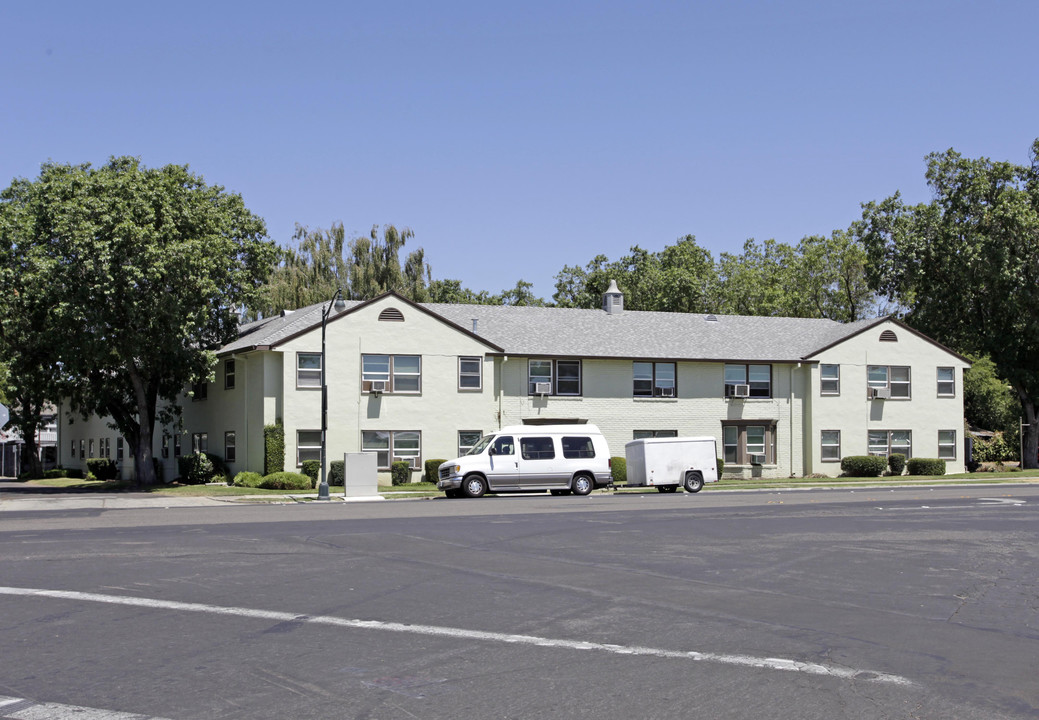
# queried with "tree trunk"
point(1030, 435)
point(31, 453)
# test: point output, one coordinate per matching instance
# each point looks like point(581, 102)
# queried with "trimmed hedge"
point(619, 469)
point(721, 467)
point(102, 468)
point(273, 448)
point(337, 472)
point(248, 479)
point(285, 481)
point(897, 463)
point(926, 466)
point(400, 472)
point(432, 470)
point(863, 465)
point(312, 468)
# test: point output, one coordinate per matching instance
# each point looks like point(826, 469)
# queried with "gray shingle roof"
point(537, 331)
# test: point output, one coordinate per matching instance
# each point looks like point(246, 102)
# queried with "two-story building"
point(782, 396)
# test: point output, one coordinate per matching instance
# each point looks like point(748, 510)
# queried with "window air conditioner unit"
point(667, 392)
point(377, 387)
point(879, 393)
point(543, 388)
point(741, 391)
point(757, 459)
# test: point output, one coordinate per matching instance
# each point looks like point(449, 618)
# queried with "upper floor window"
point(229, 375)
point(554, 377)
point(308, 370)
point(654, 379)
point(892, 378)
point(748, 381)
point(470, 373)
point(946, 382)
point(640, 434)
point(391, 373)
point(830, 379)
point(200, 391)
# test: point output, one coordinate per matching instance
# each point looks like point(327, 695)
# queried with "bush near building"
point(863, 465)
point(926, 466)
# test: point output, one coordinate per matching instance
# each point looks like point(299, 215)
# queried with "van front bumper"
point(452, 482)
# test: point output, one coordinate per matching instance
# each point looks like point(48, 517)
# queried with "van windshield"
point(480, 446)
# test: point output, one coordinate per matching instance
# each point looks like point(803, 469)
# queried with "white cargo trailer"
point(668, 463)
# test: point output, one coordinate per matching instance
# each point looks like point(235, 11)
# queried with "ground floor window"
point(830, 444)
point(888, 442)
point(467, 439)
point(119, 452)
point(308, 446)
point(200, 442)
point(947, 444)
point(392, 445)
point(640, 434)
point(229, 447)
point(749, 442)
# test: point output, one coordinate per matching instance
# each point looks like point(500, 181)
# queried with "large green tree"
point(965, 266)
point(144, 270)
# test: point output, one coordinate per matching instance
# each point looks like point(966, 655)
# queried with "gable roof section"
point(869, 324)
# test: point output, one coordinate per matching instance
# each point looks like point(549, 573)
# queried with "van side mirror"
point(491, 451)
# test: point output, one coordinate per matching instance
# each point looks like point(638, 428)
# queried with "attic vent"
point(711, 318)
point(391, 315)
point(888, 336)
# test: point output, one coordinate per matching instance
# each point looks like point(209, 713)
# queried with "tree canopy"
point(142, 272)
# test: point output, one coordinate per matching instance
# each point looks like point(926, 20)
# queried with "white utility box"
point(668, 463)
point(361, 475)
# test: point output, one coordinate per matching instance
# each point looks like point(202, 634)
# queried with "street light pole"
point(338, 303)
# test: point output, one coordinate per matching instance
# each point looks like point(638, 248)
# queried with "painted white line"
point(23, 709)
point(449, 632)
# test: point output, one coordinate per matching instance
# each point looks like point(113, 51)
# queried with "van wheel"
point(693, 482)
point(474, 486)
point(583, 485)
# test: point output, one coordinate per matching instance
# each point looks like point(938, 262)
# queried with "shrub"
point(248, 479)
point(619, 469)
point(400, 472)
point(273, 448)
point(197, 469)
point(432, 473)
point(863, 465)
point(312, 468)
point(721, 466)
point(926, 466)
point(897, 463)
point(285, 481)
point(337, 472)
point(102, 468)
point(994, 449)
point(56, 473)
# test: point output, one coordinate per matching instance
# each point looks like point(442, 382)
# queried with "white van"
point(563, 459)
point(669, 462)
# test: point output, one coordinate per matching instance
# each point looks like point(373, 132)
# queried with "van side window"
point(537, 448)
point(504, 446)
point(578, 447)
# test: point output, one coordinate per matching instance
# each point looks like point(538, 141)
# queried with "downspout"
point(790, 429)
point(501, 388)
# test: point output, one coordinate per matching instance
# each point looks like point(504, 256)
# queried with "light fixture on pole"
point(338, 303)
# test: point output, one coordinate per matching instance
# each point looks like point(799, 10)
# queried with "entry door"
point(504, 472)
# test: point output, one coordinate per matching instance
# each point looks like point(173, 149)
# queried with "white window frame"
point(829, 385)
point(120, 452)
point(372, 370)
point(947, 386)
point(393, 450)
point(229, 370)
point(947, 449)
point(230, 452)
point(737, 449)
point(640, 434)
point(830, 439)
point(200, 442)
point(473, 374)
point(307, 376)
point(882, 443)
point(900, 389)
point(308, 446)
point(464, 447)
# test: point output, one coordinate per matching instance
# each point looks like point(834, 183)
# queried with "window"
point(467, 440)
point(563, 377)
point(91, 448)
point(830, 379)
point(308, 370)
point(894, 378)
point(119, 452)
point(308, 446)
point(830, 446)
point(746, 438)
point(200, 442)
point(229, 375)
point(578, 447)
point(537, 448)
point(176, 445)
point(393, 444)
point(654, 379)
point(199, 391)
point(886, 442)
point(398, 373)
point(229, 447)
point(165, 446)
point(946, 382)
point(947, 444)
point(82, 449)
point(73, 454)
point(748, 381)
point(470, 373)
point(640, 434)
point(108, 448)
point(504, 445)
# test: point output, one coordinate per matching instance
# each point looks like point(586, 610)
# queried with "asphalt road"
point(909, 603)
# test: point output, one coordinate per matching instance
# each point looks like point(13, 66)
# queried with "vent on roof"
point(285, 313)
point(613, 299)
point(888, 336)
point(391, 315)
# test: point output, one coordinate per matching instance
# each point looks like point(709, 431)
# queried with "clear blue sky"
point(516, 138)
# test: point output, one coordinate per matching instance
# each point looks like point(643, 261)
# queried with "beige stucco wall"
point(855, 415)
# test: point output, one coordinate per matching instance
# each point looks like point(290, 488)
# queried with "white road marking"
point(449, 632)
point(23, 709)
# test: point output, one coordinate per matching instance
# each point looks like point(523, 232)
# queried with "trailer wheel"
point(693, 482)
point(582, 484)
point(473, 486)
